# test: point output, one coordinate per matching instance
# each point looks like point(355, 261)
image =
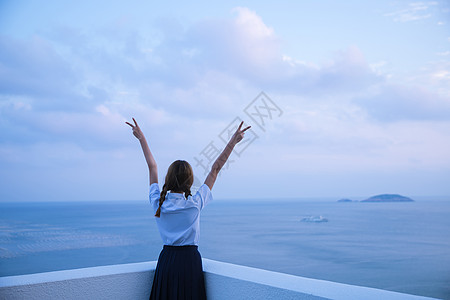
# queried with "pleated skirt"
point(179, 274)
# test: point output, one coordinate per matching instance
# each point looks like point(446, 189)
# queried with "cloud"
point(399, 103)
point(444, 53)
point(77, 86)
point(243, 46)
point(246, 48)
point(413, 12)
point(22, 125)
point(348, 71)
point(207, 70)
point(33, 69)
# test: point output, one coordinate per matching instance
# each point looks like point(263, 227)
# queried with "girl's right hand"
point(136, 130)
point(239, 134)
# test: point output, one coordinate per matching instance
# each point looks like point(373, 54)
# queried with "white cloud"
point(445, 53)
point(434, 77)
point(399, 103)
point(34, 68)
point(413, 12)
point(250, 22)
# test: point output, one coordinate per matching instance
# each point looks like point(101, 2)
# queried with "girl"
point(179, 273)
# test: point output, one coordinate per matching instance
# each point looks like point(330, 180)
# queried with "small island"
point(345, 200)
point(382, 198)
point(388, 198)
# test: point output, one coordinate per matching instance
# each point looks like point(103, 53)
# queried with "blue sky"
point(359, 91)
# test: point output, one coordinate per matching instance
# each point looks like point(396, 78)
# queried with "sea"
point(402, 247)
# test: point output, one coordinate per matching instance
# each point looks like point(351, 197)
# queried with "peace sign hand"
point(136, 130)
point(239, 134)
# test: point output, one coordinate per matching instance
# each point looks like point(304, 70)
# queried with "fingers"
point(135, 124)
point(243, 130)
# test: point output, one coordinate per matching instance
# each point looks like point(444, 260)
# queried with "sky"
point(345, 98)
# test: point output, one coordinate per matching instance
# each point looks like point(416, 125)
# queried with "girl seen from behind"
point(179, 272)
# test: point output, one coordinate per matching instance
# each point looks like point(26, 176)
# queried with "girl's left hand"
point(136, 130)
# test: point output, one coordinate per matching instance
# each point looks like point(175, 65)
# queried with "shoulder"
point(154, 187)
point(204, 188)
point(203, 196)
point(154, 192)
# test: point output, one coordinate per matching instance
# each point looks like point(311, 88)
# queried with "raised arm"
point(223, 157)
point(152, 167)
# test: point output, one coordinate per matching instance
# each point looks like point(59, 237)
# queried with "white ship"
point(314, 219)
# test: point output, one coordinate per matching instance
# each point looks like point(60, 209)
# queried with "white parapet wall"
point(223, 281)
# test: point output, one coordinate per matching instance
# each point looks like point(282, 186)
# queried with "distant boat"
point(314, 219)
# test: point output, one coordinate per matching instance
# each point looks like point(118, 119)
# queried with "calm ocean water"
point(402, 247)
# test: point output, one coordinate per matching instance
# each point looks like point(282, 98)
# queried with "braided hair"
point(179, 178)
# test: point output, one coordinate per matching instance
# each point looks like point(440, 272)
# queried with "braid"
point(187, 192)
point(162, 197)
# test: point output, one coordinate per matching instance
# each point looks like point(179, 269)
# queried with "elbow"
point(215, 169)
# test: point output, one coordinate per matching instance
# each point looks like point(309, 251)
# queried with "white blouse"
point(179, 223)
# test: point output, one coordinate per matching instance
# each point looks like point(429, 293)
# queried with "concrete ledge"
point(228, 281)
point(127, 281)
point(223, 281)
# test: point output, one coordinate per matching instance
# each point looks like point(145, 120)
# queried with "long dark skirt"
point(179, 274)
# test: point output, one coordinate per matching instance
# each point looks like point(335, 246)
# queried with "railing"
point(223, 281)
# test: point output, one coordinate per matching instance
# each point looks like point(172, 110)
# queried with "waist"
point(184, 247)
